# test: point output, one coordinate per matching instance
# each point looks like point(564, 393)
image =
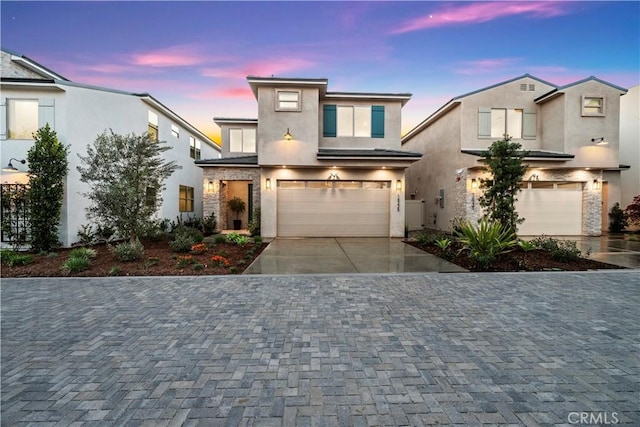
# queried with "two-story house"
point(33, 95)
point(316, 163)
point(571, 133)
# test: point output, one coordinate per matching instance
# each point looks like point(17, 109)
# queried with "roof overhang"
point(220, 121)
point(36, 68)
point(533, 155)
point(234, 162)
point(403, 98)
point(51, 85)
point(255, 82)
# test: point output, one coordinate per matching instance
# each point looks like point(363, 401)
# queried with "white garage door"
point(333, 208)
point(551, 209)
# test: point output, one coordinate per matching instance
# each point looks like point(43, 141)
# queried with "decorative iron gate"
point(14, 215)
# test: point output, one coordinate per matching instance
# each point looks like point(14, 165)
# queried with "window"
point(186, 199)
point(242, 140)
point(506, 121)
point(194, 148)
point(153, 126)
point(22, 118)
point(353, 121)
point(287, 100)
point(175, 131)
point(592, 106)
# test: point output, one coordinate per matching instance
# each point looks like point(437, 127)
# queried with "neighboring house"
point(630, 145)
point(571, 133)
point(33, 95)
point(316, 163)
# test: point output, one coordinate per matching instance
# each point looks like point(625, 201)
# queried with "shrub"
point(444, 245)
point(199, 248)
point(13, 259)
point(254, 224)
point(156, 230)
point(197, 266)
point(220, 239)
point(633, 211)
point(234, 270)
point(209, 224)
point(87, 235)
point(237, 239)
point(560, 250)
point(219, 261)
point(184, 260)
point(150, 262)
point(182, 243)
point(128, 251)
point(486, 241)
point(257, 240)
point(87, 253)
point(617, 219)
point(75, 264)
point(428, 238)
point(224, 254)
point(115, 270)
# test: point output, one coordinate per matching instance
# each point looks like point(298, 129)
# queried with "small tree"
point(126, 175)
point(617, 219)
point(633, 211)
point(504, 161)
point(48, 166)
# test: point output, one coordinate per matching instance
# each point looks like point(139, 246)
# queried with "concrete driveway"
point(346, 255)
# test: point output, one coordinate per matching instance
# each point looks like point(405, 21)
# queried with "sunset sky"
point(194, 56)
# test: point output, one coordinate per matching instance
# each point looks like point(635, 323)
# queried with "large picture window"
point(366, 121)
point(506, 121)
point(22, 118)
point(242, 140)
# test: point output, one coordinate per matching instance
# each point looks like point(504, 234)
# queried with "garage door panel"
point(332, 212)
point(551, 212)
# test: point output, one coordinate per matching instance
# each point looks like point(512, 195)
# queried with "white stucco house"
point(630, 145)
point(317, 163)
point(572, 134)
point(33, 95)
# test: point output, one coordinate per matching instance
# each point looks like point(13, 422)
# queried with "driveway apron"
point(346, 255)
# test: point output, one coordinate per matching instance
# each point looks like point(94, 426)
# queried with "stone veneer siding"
point(215, 201)
point(469, 207)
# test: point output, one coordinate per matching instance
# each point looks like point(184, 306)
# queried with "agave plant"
point(485, 241)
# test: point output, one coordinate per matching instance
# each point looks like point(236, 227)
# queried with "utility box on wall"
point(441, 198)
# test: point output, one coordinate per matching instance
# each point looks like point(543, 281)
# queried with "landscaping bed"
point(158, 260)
point(515, 260)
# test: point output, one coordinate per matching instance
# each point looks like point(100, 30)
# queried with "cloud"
point(275, 67)
point(174, 56)
point(243, 93)
point(473, 13)
point(484, 65)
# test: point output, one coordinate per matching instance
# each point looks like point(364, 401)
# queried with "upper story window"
point(22, 118)
point(242, 140)
point(152, 128)
point(194, 148)
point(287, 100)
point(175, 131)
point(592, 106)
point(353, 121)
point(515, 122)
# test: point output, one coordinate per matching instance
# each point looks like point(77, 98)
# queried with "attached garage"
point(551, 208)
point(333, 208)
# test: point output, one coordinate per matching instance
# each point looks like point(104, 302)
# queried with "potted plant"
point(237, 206)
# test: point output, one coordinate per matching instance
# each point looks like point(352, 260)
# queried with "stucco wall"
point(630, 145)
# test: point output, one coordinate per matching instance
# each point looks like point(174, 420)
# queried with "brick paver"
point(419, 349)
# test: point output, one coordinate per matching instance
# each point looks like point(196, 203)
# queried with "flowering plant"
point(184, 260)
point(199, 248)
point(219, 260)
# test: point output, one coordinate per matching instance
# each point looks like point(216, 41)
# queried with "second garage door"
point(550, 208)
point(333, 208)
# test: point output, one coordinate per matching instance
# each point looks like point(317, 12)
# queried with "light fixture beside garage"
point(267, 183)
point(597, 185)
point(210, 186)
point(475, 183)
point(600, 141)
point(288, 135)
point(10, 167)
point(399, 185)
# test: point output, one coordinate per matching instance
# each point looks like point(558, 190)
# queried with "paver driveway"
point(414, 349)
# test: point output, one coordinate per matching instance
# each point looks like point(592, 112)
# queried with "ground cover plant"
point(148, 257)
point(476, 250)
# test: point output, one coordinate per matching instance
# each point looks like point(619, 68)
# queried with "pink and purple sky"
point(194, 56)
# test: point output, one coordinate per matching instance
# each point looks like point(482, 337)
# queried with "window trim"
point(277, 100)
point(602, 111)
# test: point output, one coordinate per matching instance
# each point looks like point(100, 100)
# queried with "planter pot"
point(237, 224)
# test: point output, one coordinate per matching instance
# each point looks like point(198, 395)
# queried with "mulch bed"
point(159, 260)
point(519, 260)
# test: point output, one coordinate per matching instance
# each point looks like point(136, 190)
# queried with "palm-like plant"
point(486, 241)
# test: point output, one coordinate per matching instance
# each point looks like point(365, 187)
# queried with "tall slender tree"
point(504, 161)
point(126, 175)
point(48, 166)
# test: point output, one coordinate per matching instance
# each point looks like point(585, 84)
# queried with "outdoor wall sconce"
point(475, 183)
point(10, 167)
point(210, 186)
point(597, 185)
point(288, 135)
point(600, 141)
point(333, 176)
point(267, 183)
point(399, 185)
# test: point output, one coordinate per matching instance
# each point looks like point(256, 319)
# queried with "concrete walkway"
point(328, 350)
point(345, 255)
